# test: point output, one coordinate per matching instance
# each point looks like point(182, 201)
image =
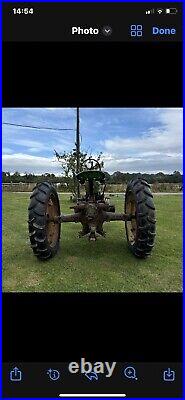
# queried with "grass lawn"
point(104, 265)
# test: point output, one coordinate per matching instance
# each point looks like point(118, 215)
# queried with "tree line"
point(115, 178)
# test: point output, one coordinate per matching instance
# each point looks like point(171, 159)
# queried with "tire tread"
point(145, 217)
point(37, 221)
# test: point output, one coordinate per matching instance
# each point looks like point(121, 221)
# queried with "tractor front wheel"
point(140, 231)
point(44, 234)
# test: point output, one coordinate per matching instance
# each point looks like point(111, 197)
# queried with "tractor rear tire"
point(140, 231)
point(44, 235)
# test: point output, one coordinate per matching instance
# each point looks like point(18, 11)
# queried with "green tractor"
point(92, 210)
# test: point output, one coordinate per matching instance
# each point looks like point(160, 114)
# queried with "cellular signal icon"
point(150, 11)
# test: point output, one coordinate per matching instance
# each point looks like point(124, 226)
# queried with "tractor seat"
point(91, 174)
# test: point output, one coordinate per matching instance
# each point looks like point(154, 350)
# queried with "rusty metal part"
point(111, 216)
point(70, 217)
point(64, 218)
point(92, 210)
point(92, 218)
point(78, 207)
point(52, 228)
point(130, 207)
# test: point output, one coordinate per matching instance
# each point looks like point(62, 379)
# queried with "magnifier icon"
point(130, 373)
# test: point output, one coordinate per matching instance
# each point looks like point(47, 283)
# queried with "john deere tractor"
point(92, 210)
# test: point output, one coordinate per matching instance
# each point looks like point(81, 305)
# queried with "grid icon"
point(136, 30)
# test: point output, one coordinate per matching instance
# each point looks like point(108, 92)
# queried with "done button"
point(163, 31)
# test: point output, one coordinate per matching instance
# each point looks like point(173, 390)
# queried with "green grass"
point(105, 265)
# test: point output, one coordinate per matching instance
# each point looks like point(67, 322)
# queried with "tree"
point(69, 165)
point(177, 177)
point(16, 177)
point(117, 177)
point(6, 177)
point(107, 177)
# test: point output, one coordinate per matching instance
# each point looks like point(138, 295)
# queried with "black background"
point(135, 327)
point(92, 74)
point(66, 327)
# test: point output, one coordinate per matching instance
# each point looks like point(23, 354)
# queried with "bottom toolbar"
point(84, 378)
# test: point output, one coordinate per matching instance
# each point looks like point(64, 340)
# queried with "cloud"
point(35, 141)
point(144, 164)
point(157, 149)
point(27, 143)
point(7, 150)
point(30, 164)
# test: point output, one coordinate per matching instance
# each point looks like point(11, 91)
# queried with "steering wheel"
point(91, 164)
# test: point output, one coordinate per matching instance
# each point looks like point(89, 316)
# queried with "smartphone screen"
point(92, 199)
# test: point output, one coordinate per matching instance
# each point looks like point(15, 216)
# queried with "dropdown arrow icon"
point(107, 30)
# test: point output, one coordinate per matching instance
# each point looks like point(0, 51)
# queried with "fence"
point(156, 187)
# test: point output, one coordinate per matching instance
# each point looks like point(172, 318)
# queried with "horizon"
point(62, 176)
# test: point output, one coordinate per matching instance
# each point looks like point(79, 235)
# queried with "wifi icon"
point(159, 11)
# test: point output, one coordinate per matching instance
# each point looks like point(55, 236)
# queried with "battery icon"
point(171, 10)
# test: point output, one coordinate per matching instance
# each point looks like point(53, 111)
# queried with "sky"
point(146, 140)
